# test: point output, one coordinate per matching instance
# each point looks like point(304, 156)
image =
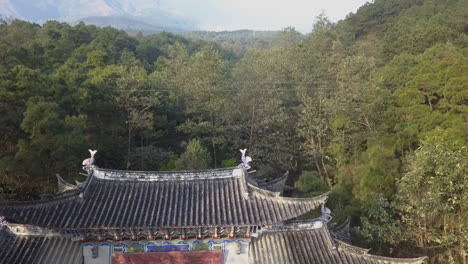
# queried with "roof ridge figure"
point(88, 164)
point(245, 159)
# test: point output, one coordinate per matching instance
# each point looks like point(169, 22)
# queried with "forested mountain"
point(135, 25)
point(373, 108)
point(240, 41)
point(130, 15)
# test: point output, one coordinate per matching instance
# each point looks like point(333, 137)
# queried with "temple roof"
point(63, 185)
point(112, 199)
point(43, 248)
point(275, 185)
point(309, 242)
point(342, 232)
point(298, 242)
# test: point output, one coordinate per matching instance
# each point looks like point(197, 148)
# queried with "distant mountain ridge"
point(133, 15)
point(132, 24)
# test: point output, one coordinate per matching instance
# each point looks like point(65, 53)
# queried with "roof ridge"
point(64, 185)
point(363, 252)
point(342, 231)
point(344, 225)
point(109, 174)
point(298, 225)
point(169, 172)
point(262, 192)
point(55, 197)
point(29, 230)
point(275, 180)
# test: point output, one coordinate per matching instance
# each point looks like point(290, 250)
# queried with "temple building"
point(211, 216)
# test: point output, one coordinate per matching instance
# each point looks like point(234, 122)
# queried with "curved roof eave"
point(297, 229)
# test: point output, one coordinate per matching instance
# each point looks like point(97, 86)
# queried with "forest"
point(373, 108)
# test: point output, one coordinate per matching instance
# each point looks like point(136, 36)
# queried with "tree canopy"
point(373, 107)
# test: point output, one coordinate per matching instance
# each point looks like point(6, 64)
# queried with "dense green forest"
point(373, 107)
point(241, 41)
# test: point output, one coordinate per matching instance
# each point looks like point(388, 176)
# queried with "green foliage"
point(432, 195)
point(261, 114)
point(152, 158)
point(378, 169)
point(309, 182)
point(195, 157)
point(171, 164)
point(64, 89)
point(287, 37)
point(239, 41)
point(96, 58)
point(342, 202)
point(378, 222)
point(395, 79)
point(374, 104)
point(227, 163)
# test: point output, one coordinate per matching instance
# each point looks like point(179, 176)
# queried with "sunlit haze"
point(260, 14)
point(186, 14)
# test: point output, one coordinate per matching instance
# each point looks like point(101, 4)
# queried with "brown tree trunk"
point(141, 156)
point(213, 125)
point(252, 126)
point(214, 153)
point(317, 165)
point(129, 142)
point(324, 167)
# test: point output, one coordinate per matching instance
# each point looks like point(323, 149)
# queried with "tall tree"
point(432, 196)
point(205, 98)
point(137, 99)
point(262, 113)
point(195, 157)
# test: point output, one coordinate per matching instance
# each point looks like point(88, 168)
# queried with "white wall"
point(104, 255)
point(230, 255)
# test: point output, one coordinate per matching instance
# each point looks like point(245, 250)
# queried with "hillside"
point(123, 14)
point(135, 25)
point(241, 41)
point(373, 108)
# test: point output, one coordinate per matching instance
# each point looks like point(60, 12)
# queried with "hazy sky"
point(259, 14)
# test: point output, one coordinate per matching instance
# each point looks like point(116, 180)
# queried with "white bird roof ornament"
point(90, 161)
point(245, 159)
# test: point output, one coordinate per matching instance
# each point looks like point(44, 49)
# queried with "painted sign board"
point(174, 257)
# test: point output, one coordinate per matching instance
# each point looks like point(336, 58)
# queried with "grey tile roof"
point(342, 232)
point(63, 185)
point(276, 185)
point(125, 199)
point(38, 249)
point(310, 242)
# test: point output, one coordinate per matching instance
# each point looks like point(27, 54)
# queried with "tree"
point(358, 110)
point(205, 98)
point(287, 37)
point(135, 101)
point(195, 157)
point(310, 183)
point(379, 222)
point(313, 70)
point(54, 142)
point(434, 95)
point(314, 129)
point(432, 196)
point(262, 114)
